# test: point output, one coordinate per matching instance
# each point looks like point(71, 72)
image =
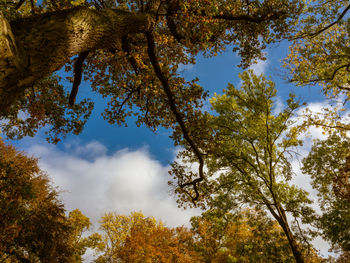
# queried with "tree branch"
point(151, 49)
point(127, 49)
point(330, 78)
point(332, 24)
point(250, 18)
point(78, 70)
point(335, 71)
point(329, 126)
point(21, 2)
point(173, 29)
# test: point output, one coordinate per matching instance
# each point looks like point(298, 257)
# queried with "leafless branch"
point(131, 92)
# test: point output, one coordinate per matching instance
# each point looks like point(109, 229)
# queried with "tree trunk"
point(282, 220)
point(32, 48)
point(293, 244)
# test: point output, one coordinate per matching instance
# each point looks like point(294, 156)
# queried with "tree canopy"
point(247, 156)
point(130, 52)
point(33, 224)
point(244, 235)
point(327, 163)
point(319, 56)
point(136, 238)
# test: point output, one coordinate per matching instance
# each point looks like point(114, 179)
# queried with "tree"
point(341, 183)
point(343, 258)
point(33, 224)
point(319, 53)
point(247, 157)
point(135, 238)
point(130, 51)
point(320, 56)
point(326, 164)
point(78, 241)
point(240, 236)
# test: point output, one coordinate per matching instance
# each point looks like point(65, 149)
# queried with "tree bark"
point(282, 220)
point(32, 48)
point(280, 216)
point(293, 244)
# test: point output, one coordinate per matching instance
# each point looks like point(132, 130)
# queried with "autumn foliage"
point(131, 52)
point(137, 238)
point(33, 223)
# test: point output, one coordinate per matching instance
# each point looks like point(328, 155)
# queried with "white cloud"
point(97, 182)
point(303, 180)
point(185, 67)
point(91, 150)
point(125, 181)
point(259, 67)
point(278, 106)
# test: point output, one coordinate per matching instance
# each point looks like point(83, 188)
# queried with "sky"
point(123, 169)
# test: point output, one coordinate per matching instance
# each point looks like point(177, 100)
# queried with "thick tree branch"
point(251, 18)
point(172, 9)
point(178, 116)
point(173, 29)
point(21, 2)
point(46, 42)
point(225, 17)
point(78, 72)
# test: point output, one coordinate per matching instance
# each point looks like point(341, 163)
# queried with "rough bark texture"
point(34, 47)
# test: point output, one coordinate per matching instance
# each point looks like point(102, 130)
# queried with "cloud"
point(131, 180)
point(278, 106)
point(313, 133)
point(90, 150)
point(304, 180)
point(124, 181)
point(185, 67)
point(259, 67)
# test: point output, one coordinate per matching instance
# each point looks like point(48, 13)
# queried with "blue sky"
point(214, 74)
point(123, 169)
